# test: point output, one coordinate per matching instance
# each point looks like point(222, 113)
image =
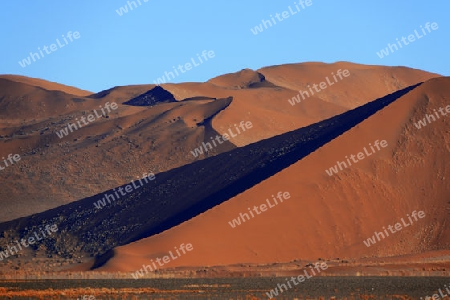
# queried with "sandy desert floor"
point(225, 288)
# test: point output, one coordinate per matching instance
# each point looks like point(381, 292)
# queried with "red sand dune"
point(327, 216)
point(135, 140)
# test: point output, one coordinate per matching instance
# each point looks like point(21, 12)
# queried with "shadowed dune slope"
point(120, 94)
point(154, 96)
point(180, 194)
point(331, 216)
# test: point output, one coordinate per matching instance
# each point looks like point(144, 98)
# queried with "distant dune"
point(23, 103)
point(48, 85)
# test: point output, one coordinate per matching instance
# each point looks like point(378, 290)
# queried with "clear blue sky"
point(139, 46)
